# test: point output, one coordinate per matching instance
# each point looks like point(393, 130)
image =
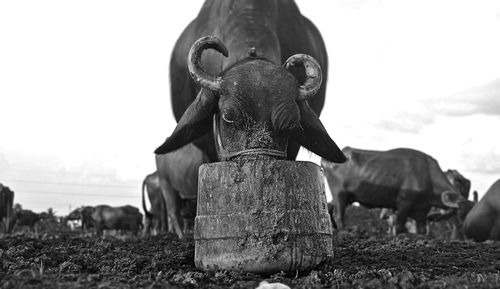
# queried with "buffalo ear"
point(314, 136)
point(195, 122)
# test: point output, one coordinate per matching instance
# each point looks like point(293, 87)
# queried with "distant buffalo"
point(156, 217)
point(483, 221)
point(84, 214)
point(441, 221)
point(104, 217)
point(27, 218)
point(126, 218)
point(407, 180)
point(178, 177)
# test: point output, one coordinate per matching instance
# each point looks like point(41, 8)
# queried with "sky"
point(84, 89)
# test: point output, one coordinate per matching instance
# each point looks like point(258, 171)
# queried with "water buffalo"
point(459, 181)
point(84, 214)
point(255, 95)
point(27, 218)
point(451, 220)
point(116, 218)
point(403, 179)
point(6, 203)
point(178, 177)
point(73, 215)
point(156, 217)
point(483, 221)
point(439, 220)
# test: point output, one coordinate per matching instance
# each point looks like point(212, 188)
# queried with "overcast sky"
point(84, 89)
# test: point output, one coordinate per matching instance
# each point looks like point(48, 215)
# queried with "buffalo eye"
point(228, 116)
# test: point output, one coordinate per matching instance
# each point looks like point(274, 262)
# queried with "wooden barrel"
point(261, 216)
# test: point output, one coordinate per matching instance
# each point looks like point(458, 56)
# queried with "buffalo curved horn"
point(449, 199)
point(197, 73)
point(313, 74)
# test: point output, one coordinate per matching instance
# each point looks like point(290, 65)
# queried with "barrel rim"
point(272, 161)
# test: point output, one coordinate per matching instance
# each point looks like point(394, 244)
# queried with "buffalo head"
point(254, 107)
point(459, 182)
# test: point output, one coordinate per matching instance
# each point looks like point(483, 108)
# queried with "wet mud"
point(364, 256)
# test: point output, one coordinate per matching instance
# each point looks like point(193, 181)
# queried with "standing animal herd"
point(241, 104)
point(248, 80)
point(104, 217)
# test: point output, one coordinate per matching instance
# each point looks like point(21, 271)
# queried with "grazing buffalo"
point(156, 217)
point(439, 220)
point(253, 95)
point(126, 218)
point(483, 221)
point(461, 183)
point(403, 179)
point(451, 220)
point(6, 203)
point(178, 176)
point(27, 218)
point(85, 215)
point(73, 215)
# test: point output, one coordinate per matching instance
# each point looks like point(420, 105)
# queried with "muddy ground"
point(364, 257)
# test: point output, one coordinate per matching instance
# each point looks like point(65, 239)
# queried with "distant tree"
point(48, 216)
point(51, 213)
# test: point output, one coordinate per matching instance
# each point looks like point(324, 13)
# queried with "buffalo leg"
point(389, 216)
point(421, 227)
point(188, 213)
point(458, 232)
point(99, 230)
point(148, 226)
point(172, 203)
point(391, 224)
point(454, 234)
point(163, 223)
point(401, 217)
point(339, 210)
point(188, 225)
point(330, 212)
